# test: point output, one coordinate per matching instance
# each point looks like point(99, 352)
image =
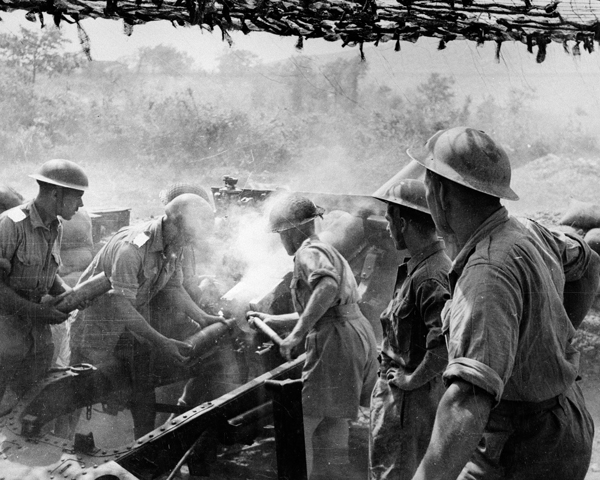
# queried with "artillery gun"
point(267, 388)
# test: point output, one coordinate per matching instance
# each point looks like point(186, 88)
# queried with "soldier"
point(191, 279)
point(340, 367)
point(30, 236)
point(512, 408)
point(220, 373)
point(413, 353)
point(140, 261)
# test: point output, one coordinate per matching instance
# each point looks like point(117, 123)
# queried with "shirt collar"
point(425, 253)
point(499, 217)
point(312, 238)
point(36, 218)
point(156, 235)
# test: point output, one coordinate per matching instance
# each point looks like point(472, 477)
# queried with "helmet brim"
point(412, 171)
point(428, 160)
point(51, 181)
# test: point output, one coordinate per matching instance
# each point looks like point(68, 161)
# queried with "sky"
point(108, 42)
point(561, 83)
point(561, 80)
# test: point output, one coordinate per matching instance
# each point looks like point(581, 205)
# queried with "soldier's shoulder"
point(137, 235)
point(16, 214)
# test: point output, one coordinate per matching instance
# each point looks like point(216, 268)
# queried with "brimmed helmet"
point(177, 189)
point(404, 188)
point(471, 158)
point(62, 173)
point(292, 211)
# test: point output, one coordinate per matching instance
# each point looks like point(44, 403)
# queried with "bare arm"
point(461, 417)
point(136, 323)
point(433, 364)
point(580, 294)
point(279, 323)
point(182, 299)
point(319, 302)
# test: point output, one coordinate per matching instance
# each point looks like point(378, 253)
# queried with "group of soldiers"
point(476, 376)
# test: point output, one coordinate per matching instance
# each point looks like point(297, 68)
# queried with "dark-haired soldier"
point(512, 407)
point(413, 353)
point(30, 237)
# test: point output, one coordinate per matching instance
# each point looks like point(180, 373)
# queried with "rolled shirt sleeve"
point(315, 265)
point(125, 269)
point(576, 257)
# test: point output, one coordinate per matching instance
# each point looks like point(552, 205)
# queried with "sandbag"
point(9, 198)
point(77, 232)
point(75, 259)
point(582, 215)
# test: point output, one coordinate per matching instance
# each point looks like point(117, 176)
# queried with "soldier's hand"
point(287, 345)
point(46, 313)
point(265, 317)
point(171, 350)
point(68, 291)
point(398, 378)
point(184, 348)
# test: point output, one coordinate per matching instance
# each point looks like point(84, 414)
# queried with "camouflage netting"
point(535, 23)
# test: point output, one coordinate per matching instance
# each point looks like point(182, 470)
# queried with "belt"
point(339, 313)
point(515, 408)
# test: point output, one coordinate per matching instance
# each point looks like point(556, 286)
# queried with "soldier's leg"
point(310, 426)
point(330, 448)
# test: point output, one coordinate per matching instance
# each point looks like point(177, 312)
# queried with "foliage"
point(237, 63)
point(247, 118)
point(162, 60)
point(33, 53)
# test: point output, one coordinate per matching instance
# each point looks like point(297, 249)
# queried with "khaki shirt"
point(313, 261)
point(412, 321)
point(508, 332)
point(137, 264)
point(32, 249)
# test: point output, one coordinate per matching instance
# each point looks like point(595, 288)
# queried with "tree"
point(433, 107)
point(163, 59)
point(237, 63)
point(32, 53)
point(343, 77)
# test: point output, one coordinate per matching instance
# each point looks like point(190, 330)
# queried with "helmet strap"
point(59, 200)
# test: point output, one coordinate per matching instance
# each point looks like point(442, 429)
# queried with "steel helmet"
point(292, 211)
point(471, 158)
point(405, 188)
point(176, 189)
point(62, 173)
